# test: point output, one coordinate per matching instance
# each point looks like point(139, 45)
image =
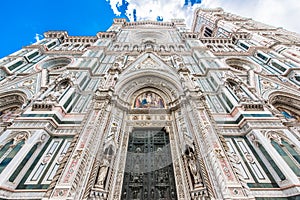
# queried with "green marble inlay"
point(5, 148)
point(286, 157)
point(272, 163)
point(292, 151)
point(22, 184)
point(273, 183)
point(11, 155)
point(23, 163)
point(242, 117)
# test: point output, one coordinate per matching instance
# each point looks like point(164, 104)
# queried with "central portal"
point(149, 169)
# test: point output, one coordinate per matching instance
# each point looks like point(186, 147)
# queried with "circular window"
point(239, 64)
point(156, 36)
point(54, 63)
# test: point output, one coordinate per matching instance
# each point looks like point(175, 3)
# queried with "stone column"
point(220, 169)
point(74, 178)
point(44, 79)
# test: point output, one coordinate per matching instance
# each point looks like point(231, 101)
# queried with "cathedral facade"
point(151, 110)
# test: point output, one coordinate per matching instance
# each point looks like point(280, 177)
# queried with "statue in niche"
point(152, 193)
point(178, 61)
point(193, 168)
point(136, 193)
point(145, 193)
point(58, 86)
point(124, 195)
point(238, 91)
point(161, 193)
point(242, 96)
point(148, 100)
point(57, 91)
point(102, 173)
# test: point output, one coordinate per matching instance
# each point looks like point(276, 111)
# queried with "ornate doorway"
point(149, 168)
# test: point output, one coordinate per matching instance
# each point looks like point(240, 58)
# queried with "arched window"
point(54, 63)
point(278, 66)
point(10, 106)
point(271, 161)
point(181, 48)
point(15, 65)
point(135, 48)
point(172, 48)
point(116, 47)
point(125, 48)
point(287, 104)
point(239, 64)
point(109, 150)
point(5, 148)
point(23, 163)
point(289, 154)
point(162, 48)
point(11, 148)
point(45, 164)
point(291, 149)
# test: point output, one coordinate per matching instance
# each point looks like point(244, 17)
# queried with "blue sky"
point(21, 20)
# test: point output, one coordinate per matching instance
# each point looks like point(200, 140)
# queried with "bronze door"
point(149, 169)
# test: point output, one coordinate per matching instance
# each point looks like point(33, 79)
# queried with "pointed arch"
point(242, 65)
point(288, 104)
point(54, 63)
point(142, 73)
point(11, 146)
point(286, 149)
point(11, 104)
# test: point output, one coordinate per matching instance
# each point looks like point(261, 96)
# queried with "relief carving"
point(102, 173)
point(193, 168)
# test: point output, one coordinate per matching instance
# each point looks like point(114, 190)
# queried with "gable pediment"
point(149, 62)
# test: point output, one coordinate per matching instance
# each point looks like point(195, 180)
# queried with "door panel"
point(149, 169)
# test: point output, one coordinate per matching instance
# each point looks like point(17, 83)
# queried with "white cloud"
point(279, 13)
point(151, 9)
point(113, 5)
